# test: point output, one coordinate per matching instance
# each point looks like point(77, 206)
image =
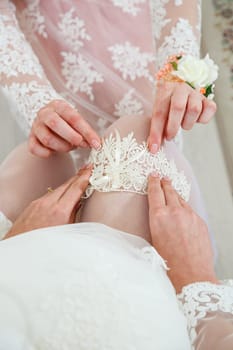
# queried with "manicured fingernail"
point(154, 174)
point(166, 178)
point(154, 148)
point(96, 144)
point(89, 166)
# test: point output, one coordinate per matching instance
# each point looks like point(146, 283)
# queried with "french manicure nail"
point(89, 166)
point(154, 174)
point(96, 144)
point(154, 148)
point(166, 178)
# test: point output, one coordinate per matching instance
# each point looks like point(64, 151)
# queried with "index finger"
point(156, 197)
point(74, 192)
point(159, 117)
point(78, 123)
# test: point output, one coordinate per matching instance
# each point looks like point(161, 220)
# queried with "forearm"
point(180, 30)
point(22, 78)
point(208, 308)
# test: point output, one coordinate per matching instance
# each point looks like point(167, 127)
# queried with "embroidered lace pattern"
point(182, 39)
point(74, 71)
point(15, 53)
point(79, 74)
point(33, 22)
point(124, 165)
point(198, 299)
point(158, 13)
point(29, 98)
point(129, 6)
point(128, 105)
point(73, 30)
point(130, 61)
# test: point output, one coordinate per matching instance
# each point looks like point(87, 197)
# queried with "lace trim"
point(182, 39)
point(198, 299)
point(16, 55)
point(124, 165)
point(5, 225)
point(150, 255)
point(28, 98)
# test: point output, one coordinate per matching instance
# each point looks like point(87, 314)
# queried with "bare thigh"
point(122, 210)
point(129, 211)
point(24, 178)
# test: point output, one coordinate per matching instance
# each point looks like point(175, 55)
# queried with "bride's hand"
point(57, 207)
point(177, 105)
point(179, 235)
point(58, 127)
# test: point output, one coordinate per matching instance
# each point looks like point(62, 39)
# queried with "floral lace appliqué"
point(79, 74)
point(198, 299)
point(124, 165)
point(15, 53)
point(28, 99)
point(73, 30)
point(182, 39)
point(129, 6)
point(32, 21)
point(128, 105)
point(158, 13)
point(131, 62)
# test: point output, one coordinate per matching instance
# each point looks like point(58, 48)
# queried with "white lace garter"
point(124, 165)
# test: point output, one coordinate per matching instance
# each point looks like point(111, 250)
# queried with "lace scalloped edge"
point(197, 299)
point(124, 165)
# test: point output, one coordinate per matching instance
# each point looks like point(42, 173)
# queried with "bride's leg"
point(24, 178)
point(129, 211)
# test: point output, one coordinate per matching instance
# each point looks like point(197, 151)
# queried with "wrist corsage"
point(200, 74)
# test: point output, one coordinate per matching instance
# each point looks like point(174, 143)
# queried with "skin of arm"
point(57, 207)
point(179, 235)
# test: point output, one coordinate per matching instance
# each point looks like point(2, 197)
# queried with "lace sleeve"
point(22, 78)
point(209, 312)
point(177, 25)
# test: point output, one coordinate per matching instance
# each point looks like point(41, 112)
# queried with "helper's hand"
point(58, 207)
point(59, 127)
point(177, 105)
point(179, 235)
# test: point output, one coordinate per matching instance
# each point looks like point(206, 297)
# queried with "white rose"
point(198, 72)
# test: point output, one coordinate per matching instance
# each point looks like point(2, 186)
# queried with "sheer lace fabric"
point(124, 165)
point(77, 51)
point(209, 311)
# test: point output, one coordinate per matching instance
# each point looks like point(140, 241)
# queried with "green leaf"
point(174, 65)
point(208, 90)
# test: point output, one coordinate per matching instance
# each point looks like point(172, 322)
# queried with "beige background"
point(209, 149)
